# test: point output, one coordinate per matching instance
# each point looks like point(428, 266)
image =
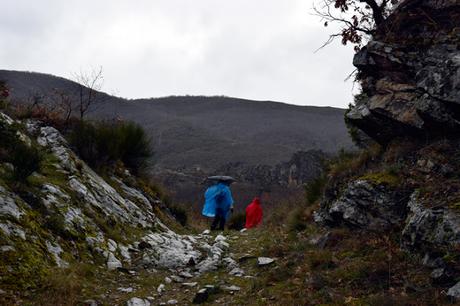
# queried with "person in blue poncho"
point(218, 201)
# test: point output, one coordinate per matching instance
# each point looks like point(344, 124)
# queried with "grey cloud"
point(252, 49)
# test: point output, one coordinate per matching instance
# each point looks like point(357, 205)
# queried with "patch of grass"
point(237, 221)
point(387, 178)
point(179, 213)
point(348, 163)
point(298, 219)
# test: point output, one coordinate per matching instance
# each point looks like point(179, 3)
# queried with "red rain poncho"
point(253, 213)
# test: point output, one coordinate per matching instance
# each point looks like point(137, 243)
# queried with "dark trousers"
point(219, 220)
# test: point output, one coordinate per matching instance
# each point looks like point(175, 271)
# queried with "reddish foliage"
point(360, 18)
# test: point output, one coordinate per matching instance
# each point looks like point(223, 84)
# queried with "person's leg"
point(222, 223)
point(215, 222)
point(222, 220)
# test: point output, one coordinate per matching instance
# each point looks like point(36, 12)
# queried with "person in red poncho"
point(253, 213)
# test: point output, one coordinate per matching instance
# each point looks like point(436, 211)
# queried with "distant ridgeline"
point(208, 135)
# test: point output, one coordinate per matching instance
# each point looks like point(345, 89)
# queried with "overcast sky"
point(255, 49)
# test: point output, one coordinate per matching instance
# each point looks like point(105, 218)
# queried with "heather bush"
point(24, 158)
point(102, 144)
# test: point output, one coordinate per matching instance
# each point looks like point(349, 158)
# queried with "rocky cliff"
point(65, 214)
point(410, 74)
point(410, 104)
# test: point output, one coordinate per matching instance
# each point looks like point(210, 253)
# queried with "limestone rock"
point(113, 262)
point(137, 302)
point(230, 288)
point(264, 261)
point(411, 90)
point(365, 205)
point(430, 229)
point(454, 292)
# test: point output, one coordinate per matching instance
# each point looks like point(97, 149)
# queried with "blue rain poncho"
point(218, 195)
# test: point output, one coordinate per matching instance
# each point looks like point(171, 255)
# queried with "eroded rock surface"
point(112, 220)
point(364, 205)
point(410, 74)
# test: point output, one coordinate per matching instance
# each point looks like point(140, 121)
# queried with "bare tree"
point(89, 84)
point(64, 103)
point(360, 19)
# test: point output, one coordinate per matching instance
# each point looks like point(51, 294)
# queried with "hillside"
point(208, 132)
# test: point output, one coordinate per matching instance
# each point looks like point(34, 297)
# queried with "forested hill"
point(208, 132)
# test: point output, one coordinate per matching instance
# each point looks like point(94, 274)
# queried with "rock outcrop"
point(365, 205)
point(410, 104)
point(65, 213)
point(410, 74)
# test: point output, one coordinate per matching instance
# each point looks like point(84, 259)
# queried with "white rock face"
point(170, 250)
point(113, 262)
point(8, 206)
point(55, 249)
point(112, 245)
point(11, 229)
point(83, 199)
point(137, 302)
point(220, 238)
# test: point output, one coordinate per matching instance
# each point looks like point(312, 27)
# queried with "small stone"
point(230, 288)
point(112, 245)
point(185, 274)
point(113, 262)
point(246, 257)
point(454, 292)
point(220, 238)
point(236, 272)
point(168, 280)
point(161, 288)
point(126, 290)
point(137, 302)
point(177, 279)
point(263, 261)
point(190, 284)
point(212, 289)
point(172, 302)
point(201, 296)
point(6, 248)
point(206, 232)
point(243, 230)
point(90, 303)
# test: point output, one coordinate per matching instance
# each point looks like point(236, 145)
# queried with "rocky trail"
point(224, 281)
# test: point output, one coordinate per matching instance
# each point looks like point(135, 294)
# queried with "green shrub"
point(104, 143)
point(25, 159)
point(237, 221)
point(4, 93)
point(314, 189)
